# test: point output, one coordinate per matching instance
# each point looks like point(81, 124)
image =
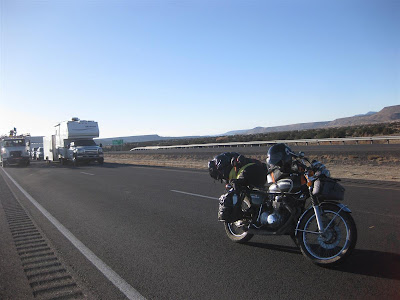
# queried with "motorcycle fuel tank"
point(281, 186)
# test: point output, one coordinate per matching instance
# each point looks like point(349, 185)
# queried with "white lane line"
point(197, 195)
point(161, 168)
point(87, 173)
point(110, 274)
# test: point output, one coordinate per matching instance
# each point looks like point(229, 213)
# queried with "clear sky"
point(195, 67)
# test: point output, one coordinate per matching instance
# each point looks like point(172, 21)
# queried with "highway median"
point(375, 162)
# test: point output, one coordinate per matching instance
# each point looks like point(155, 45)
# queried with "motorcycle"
point(303, 204)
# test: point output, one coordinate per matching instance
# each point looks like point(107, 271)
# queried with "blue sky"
point(177, 68)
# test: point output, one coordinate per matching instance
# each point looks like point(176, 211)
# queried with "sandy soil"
point(370, 168)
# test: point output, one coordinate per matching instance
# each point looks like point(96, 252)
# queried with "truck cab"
point(14, 151)
point(85, 150)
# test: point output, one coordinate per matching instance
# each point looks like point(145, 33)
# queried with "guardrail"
point(371, 140)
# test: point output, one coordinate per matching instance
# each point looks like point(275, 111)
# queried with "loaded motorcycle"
point(302, 201)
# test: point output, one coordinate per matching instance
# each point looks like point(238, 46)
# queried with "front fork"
point(318, 217)
point(317, 211)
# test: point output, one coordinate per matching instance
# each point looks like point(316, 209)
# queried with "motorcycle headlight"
point(3, 150)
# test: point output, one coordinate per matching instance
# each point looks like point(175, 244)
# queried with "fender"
point(340, 205)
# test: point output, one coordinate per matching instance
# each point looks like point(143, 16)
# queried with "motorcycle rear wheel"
point(338, 241)
point(237, 234)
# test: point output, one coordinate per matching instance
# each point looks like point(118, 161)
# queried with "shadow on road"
point(274, 247)
point(363, 262)
point(372, 263)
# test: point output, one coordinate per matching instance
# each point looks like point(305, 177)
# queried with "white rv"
point(73, 141)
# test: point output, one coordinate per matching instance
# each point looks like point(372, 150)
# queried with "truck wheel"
point(101, 161)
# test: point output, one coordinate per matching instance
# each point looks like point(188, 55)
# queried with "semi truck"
point(15, 150)
point(73, 142)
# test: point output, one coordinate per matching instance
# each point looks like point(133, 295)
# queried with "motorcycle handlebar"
point(298, 155)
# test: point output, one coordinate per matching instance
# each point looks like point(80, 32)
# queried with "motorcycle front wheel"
point(335, 244)
point(237, 232)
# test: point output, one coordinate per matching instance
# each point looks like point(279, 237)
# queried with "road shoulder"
point(14, 283)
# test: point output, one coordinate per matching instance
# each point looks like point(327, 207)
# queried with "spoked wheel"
point(237, 231)
point(335, 244)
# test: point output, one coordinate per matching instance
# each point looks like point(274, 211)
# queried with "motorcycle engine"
point(275, 215)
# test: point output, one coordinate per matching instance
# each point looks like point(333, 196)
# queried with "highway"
point(144, 232)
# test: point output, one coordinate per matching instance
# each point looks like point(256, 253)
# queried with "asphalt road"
point(165, 244)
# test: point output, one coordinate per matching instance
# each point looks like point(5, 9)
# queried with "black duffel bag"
point(326, 188)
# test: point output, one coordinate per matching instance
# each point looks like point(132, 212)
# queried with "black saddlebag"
point(228, 210)
point(328, 189)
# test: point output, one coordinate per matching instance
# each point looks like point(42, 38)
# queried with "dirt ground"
point(372, 167)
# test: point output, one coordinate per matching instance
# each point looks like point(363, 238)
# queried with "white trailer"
point(73, 141)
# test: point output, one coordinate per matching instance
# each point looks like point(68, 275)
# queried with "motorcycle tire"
point(338, 241)
point(237, 234)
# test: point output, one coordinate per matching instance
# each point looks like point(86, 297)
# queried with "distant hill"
point(299, 126)
point(387, 114)
point(367, 114)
